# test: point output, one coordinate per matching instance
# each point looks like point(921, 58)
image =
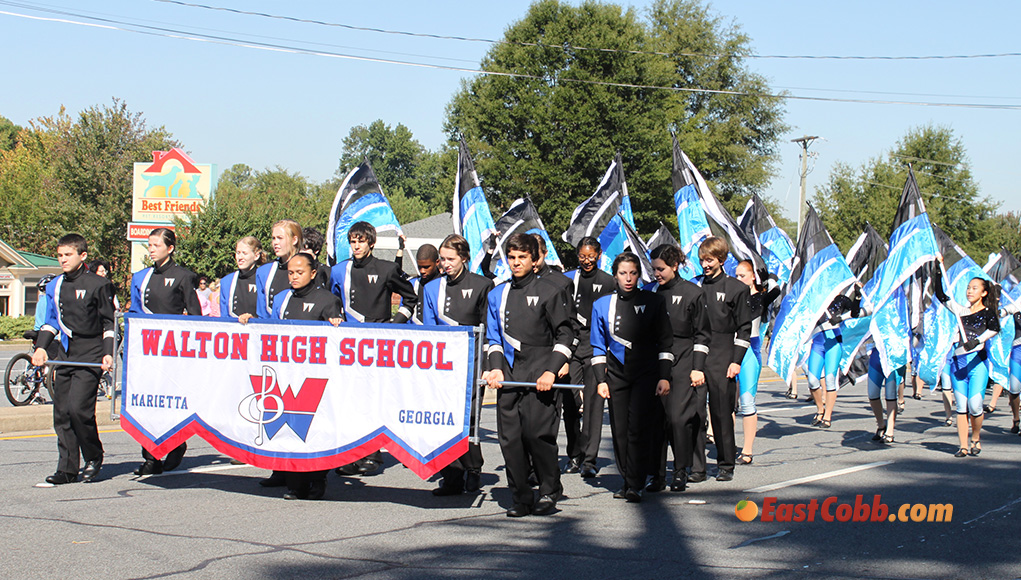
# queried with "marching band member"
point(427, 261)
point(81, 313)
point(239, 292)
point(164, 288)
point(880, 384)
point(529, 333)
point(824, 358)
point(364, 286)
point(305, 300)
point(458, 298)
point(1014, 368)
point(685, 406)
point(730, 321)
point(969, 370)
point(271, 277)
point(632, 361)
point(589, 284)
point(312, 241)
point(759, 300)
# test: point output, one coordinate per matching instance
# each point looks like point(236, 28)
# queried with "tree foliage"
point(870, 193)
point(549, 138)
point(8, 134)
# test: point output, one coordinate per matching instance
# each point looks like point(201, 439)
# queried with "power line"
point(573, 47)
point(200, 37)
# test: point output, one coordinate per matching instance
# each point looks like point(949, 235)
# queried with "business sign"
point(299, 396)
point(170, 186)
point(140, 232)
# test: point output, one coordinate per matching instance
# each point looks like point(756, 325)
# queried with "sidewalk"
point(40, 417)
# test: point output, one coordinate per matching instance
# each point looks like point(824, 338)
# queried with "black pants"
point(74, 406)
point(299, 481)
point(453, 474)
point(633, 406)
point(592, 418)
point(684, 422)
point(528, 422)
point(722, 394)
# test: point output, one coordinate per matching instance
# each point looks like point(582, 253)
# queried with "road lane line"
point(811, 478)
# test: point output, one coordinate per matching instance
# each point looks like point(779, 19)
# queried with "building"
point(19, 274)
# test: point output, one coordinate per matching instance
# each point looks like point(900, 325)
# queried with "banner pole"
point(117, 339)
point(523, 384)
point(473, 433)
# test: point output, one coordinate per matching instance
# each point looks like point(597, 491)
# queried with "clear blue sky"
point(230, 104)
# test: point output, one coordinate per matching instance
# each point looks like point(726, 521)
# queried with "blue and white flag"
point(523, 218)
point(700, 215)
point(1005, 269)
point(818, 275)
point(359, 199)
point(771, 241)
point(604, 215)
point(864, 259)
point(472, 218)
point(942, 325)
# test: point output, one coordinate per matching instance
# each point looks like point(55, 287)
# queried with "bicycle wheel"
point(21, 380)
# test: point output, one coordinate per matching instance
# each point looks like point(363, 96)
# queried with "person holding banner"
point(529, 333)
point(969, 369)
point(759, 300)
point(81, 312)
point(165, 288)
point(730, 321)
point(271, 278)
point(239, 293)
point(824, 358)
point(590, 284)
point(364, 286)
point(632, 361)
point(305, 300)
point(683, 427)
point(458, 298)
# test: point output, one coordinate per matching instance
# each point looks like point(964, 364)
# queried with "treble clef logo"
point(253, 407)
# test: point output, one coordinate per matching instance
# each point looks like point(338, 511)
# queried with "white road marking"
point(770, 537)
point(208, 469)
point(811, 478)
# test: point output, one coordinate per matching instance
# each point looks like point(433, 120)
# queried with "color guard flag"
point(604, 215)
point(360, 198)
point(864, 258)
point(472, 218)
point(523, 218)
point(771, 241)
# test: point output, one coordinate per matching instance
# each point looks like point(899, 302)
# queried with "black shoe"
point(725, 475)
point(573, 466)
point(1015, 428)
point(349, 469)
point(962, 452)
point(633, 496)
point(150, 467)
point(369, 467)
point(173, 459)
point(316, 489)
point(879, 434)
point(519, 510)
point(680, 482)
point(444, 490)
point(656, 484)
point(587, 471)
point(546, 505)
point(620, 493)
point(988, 410)
point(976, 449)
point(296, 494)
point(696, 477)
point(277, 479)
point(237, 462)
point(62, 477)
point(472, 481)
point(533, 480)
point(91, 470)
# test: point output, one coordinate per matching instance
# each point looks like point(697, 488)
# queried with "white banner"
point(299, 396)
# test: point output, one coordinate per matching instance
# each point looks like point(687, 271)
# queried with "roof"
point(40, 261)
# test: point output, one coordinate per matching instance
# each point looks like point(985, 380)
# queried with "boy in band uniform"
point(82, 314)
point(427, 259)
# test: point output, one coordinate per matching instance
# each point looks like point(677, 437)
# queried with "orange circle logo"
point(746, 511)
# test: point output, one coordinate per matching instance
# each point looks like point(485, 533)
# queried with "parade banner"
point(299, 396)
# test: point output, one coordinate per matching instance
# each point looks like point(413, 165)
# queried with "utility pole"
point(802, 208)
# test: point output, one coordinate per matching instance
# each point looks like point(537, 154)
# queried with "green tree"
point(870, 193)
point(545, 136)
point(8, 133)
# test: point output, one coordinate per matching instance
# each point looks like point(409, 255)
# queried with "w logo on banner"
point(79, 294)
point(271, 409)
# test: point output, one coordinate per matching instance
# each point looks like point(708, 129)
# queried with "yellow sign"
point(170, 186)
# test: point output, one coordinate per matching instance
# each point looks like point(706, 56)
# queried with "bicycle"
point(23, 381)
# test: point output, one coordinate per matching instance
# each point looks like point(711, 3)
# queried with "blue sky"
point(230, 104)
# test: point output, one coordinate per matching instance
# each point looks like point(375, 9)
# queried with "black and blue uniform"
point(969, 366)
point(529, 332)
point(458, 301)
point(751, 366)
point(632, 350)
point(584, 431)
point(730, 324)
point(824, 358)
point(166, 288)
point(81, 313)
point(270, 280)
point(419, 283)
point(685, 406)
point(1014, 309)
point(239, 293)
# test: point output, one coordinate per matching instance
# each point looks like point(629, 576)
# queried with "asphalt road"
point(214, 521)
